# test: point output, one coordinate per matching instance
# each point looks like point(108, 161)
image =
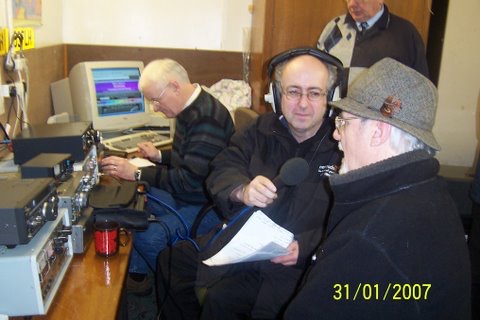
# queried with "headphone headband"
point(289, 54)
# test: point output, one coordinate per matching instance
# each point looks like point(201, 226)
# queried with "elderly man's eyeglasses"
point(295, 94)
point(156, 101)
point(341, 122)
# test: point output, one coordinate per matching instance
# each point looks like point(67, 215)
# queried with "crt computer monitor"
point(106, 93)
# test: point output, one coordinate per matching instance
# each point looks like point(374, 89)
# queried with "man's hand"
point(118, 167)
point(260, 192)
point(148, 150)
point(291, 258)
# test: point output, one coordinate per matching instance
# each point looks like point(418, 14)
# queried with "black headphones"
point(274, 96)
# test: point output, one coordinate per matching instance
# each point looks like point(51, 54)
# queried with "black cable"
point(9, 65)
point(161, 302)
point(10, 108)
point(167, 233)
point(20, 118)
point(9, 113)
point(4, 132)
point(182, 221)
point(172, 210)
point(170, 242)
point(9, 62)
point(170, 239)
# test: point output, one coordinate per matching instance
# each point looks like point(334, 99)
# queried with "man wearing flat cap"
point(394, 245)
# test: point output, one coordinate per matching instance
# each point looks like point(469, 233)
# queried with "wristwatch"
point(137, 175)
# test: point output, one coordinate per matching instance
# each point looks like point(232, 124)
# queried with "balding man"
point(368, 33)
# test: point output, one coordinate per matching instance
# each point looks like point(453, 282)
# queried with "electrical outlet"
point(19, 64)
point(8, 90)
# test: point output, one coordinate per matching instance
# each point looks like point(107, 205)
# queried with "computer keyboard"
point(128, 143)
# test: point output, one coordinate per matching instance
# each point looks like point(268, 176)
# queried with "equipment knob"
point(81, 199)
point(50, 208)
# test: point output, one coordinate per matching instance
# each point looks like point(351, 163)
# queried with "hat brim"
point(356, 108)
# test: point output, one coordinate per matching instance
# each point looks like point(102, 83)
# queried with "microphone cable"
point(168, 233)
point(180, 218)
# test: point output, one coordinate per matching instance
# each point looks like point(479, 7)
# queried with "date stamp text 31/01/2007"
point(373, 291)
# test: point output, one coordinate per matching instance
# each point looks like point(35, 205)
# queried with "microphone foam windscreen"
point(294, 171)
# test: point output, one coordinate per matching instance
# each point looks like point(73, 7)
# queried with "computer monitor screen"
point(117, 91)
point(106, 93)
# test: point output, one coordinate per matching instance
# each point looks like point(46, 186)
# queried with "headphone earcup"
point(334, 93)
point(274, 97)
point(277, 97)
point(269, 98)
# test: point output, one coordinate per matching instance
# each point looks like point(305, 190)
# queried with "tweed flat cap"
point(393, 93)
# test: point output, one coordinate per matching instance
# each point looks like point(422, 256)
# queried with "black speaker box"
point(75, 138)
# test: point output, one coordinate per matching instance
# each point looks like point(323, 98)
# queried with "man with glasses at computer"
point(203, 127)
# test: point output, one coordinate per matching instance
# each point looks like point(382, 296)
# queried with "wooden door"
point(278, 25)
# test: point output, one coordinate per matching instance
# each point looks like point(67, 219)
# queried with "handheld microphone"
point(292, 172)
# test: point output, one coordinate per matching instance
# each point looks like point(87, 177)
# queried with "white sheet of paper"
point(141, 162)
point(259, 239)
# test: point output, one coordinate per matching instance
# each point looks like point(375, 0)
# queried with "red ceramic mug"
point(107, 237)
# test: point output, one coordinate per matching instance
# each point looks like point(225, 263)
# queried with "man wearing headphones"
point(242, 176)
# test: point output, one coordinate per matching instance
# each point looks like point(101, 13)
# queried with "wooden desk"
point(92, 287)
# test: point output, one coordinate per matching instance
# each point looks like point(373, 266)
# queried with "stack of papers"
point(259, 239)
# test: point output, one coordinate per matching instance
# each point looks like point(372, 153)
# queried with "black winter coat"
point(261, 150)
point(394, 248)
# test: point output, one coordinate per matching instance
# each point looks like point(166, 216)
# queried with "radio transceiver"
point(73, 196)
point(31, 274)
point(25, 206)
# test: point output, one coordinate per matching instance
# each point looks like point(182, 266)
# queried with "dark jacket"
point(394, 248)
point(261, 150)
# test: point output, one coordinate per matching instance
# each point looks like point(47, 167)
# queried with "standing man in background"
point(368, 33)
point(202, 129)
